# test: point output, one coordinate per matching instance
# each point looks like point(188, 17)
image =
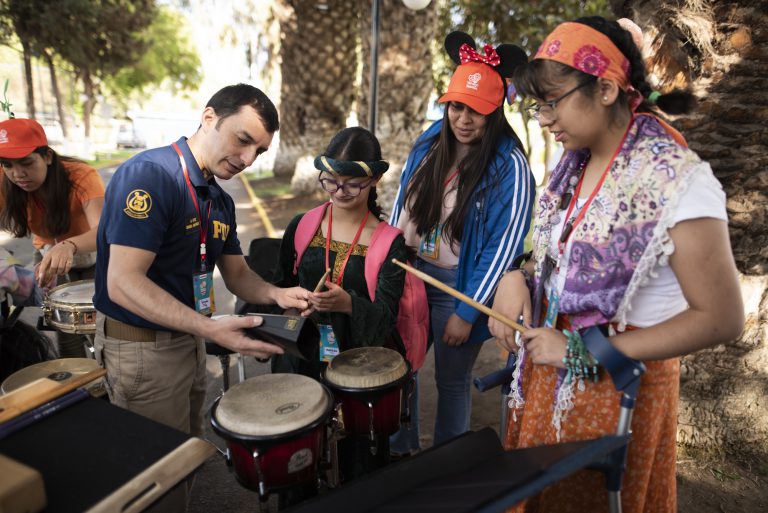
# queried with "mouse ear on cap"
point(511, 56)
point(453, 42)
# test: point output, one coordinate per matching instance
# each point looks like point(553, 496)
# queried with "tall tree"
point(719, 49)
point(98, 37)
point(404, 82)
point(169, 56)
point(56, 92)
point(24, 17)
point(318, 66)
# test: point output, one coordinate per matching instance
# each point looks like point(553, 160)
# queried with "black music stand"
point(95, 456)
point(473, 473)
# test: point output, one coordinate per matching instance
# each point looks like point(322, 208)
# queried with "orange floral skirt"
point(649, 481)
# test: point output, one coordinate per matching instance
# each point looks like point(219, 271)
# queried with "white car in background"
point(128, 138)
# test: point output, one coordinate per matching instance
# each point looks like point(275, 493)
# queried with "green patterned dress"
point(371, 323)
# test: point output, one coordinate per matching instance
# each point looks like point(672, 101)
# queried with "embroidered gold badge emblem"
point(138, 204)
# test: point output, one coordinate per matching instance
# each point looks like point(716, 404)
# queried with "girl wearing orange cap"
point(631, 235)
point(464, 205)
point(56, 199)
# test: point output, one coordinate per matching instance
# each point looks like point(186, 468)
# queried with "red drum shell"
point(361, 366)
point(282, 461)
point(386, 408)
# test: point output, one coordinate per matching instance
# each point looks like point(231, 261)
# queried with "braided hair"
point(357, 143)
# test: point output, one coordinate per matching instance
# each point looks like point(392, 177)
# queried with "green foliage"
point(169, 55)
point(98, 37)
point(519, 22)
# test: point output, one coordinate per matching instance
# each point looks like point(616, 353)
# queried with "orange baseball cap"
point(20, 137)
point(477, 85)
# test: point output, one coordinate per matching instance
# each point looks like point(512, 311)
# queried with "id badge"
point(430, 244)
point(329, 347)
point(553, 304)
point(202, 284)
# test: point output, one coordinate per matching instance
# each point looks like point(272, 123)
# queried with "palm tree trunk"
point(404, 85)
point(715, 47)
point(319, 62)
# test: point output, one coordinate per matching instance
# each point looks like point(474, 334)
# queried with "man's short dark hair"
point(231, 99)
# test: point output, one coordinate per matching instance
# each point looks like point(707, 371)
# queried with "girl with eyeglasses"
point(631, 235)
point(464, 204)
point(349, 170)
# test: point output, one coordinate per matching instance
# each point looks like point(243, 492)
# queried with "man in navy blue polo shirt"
point(165, 224)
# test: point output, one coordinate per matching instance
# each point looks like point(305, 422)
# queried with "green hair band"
point(351, 167)
point(654, 97)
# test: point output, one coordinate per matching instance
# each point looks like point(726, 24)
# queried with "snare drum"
point(368, 383)
point(69, 307)
point(274, 426)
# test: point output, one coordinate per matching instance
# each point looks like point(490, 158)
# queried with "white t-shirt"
point(661, 297)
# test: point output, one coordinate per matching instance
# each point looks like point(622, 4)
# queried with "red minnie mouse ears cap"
point(477, 85)
point(19, 137)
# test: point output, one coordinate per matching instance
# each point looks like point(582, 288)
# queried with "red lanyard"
point(351, 246)
point(570, 225)
point(450, 178)
point(193, 194)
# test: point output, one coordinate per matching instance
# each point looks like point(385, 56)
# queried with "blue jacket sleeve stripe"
point(394, 217)
point(514, 233)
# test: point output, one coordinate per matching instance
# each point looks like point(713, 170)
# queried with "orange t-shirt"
point(86, 185)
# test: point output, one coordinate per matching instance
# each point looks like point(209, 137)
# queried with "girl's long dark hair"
point(357, 143)
point(539, 77)
point(423, 197)
point(53, 194)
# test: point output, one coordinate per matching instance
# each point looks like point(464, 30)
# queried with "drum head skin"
point(62, 370)
point(272, 404)
point(366, 367)
point(75, 293)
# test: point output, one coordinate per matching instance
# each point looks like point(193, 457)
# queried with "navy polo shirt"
point(148, 205)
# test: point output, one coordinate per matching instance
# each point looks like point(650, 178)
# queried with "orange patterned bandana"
point(585, 49)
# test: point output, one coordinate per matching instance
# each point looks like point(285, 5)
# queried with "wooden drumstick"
point(40, 392)
point(322, 280)
point(461, 297)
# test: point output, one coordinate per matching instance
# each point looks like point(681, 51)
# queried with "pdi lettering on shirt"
point(220, 230)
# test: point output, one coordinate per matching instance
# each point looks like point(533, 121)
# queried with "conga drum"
point(368, 384)
point(275, 427)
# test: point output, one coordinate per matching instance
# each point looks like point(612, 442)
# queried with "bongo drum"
point(69, 307)
point(62, 370)
point(274, 426)
point(368, 384)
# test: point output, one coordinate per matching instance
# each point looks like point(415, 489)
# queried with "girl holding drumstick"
point(631, 235)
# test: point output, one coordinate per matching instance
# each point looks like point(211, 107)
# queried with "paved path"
point(215, 486)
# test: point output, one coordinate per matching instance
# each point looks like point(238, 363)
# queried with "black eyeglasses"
point(352, 189)
point(536, 110)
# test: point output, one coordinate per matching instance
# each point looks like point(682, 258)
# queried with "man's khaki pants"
point(163, 380)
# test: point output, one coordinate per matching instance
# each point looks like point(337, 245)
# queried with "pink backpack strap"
point(306, 229)
point(378, 249)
